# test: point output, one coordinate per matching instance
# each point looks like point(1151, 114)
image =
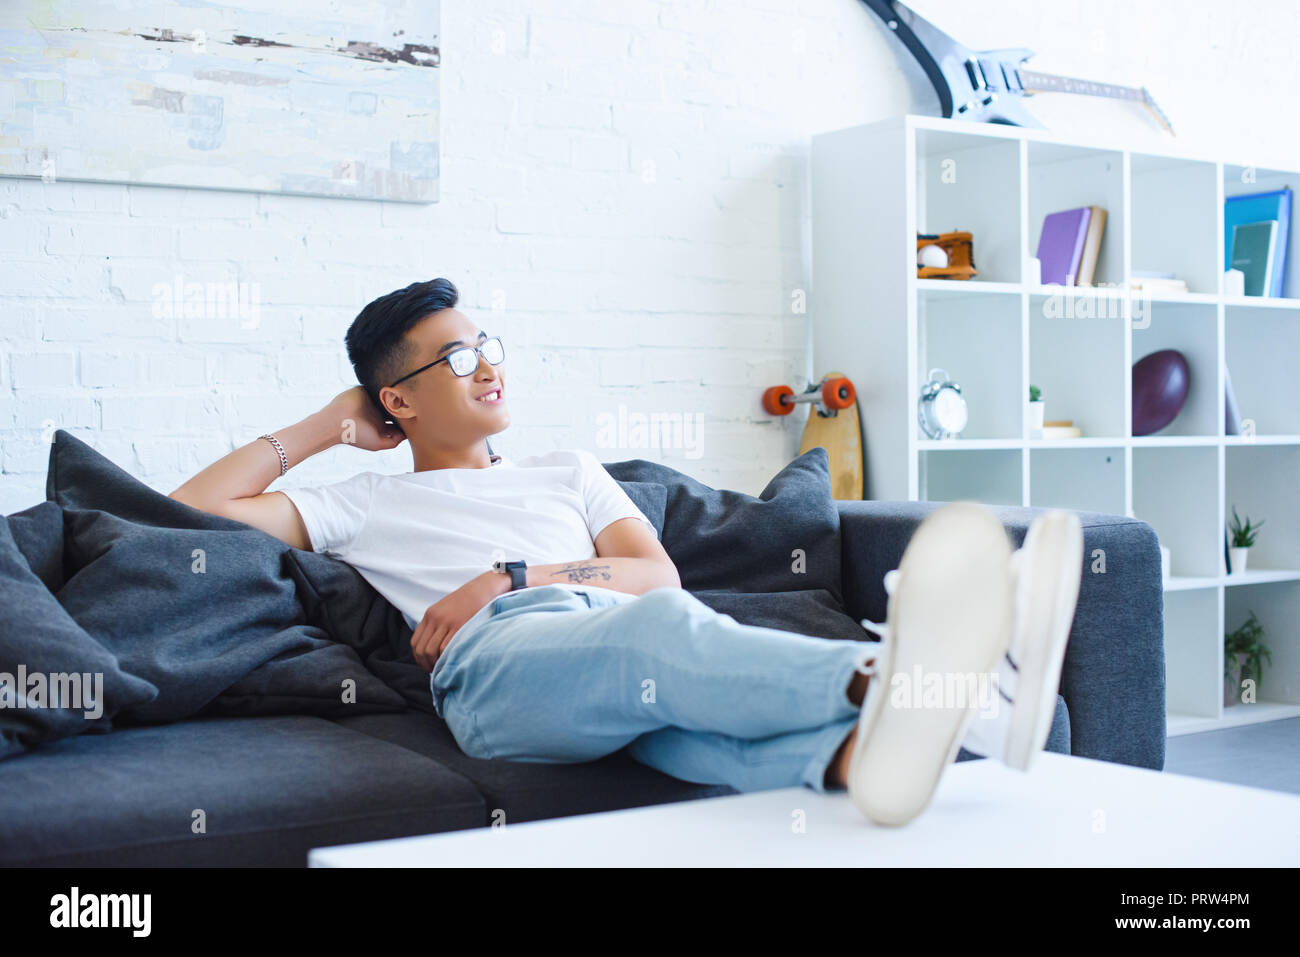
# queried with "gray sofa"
point(225, 789)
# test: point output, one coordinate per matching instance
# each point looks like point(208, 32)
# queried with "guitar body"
point(944, 61)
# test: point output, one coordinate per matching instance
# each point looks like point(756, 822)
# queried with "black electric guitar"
point(989, 86)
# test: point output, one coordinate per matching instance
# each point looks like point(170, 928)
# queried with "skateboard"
point(834, 423)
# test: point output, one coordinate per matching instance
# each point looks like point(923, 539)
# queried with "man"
point(554, 625)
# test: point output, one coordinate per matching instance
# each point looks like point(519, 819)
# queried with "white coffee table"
point(1066, 812)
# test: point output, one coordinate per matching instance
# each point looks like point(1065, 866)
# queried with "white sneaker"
point(949, 613)
point(1047, 571)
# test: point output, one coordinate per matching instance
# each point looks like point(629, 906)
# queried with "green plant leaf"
point(1243, 533)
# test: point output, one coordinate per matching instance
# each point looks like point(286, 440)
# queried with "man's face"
point(439, 404)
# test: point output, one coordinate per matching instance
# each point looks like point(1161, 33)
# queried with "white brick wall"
point(623, 199)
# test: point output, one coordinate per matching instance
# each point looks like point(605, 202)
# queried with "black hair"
point(376, 340)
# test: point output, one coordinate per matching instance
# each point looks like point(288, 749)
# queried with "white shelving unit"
point(876, 186)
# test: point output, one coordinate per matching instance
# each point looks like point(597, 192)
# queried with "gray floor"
point(1263, 755)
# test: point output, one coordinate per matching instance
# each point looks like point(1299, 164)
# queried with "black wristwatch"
point(517, 570)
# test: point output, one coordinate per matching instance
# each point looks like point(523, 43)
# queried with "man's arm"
point(234, 486)
point(630, 559)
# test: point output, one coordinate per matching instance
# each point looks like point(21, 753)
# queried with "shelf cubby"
point(976, 339)
point(1175, 490)
point(1065, 176)
point(1277, 607)
point(972, 185)
point(1089, 479)
point(1262, 347)
point(1193, 653)
point(1238, 180)
point(975, 475)
point(1192, 329)
point(1174, 220)
point(1078, 363)
point(1261, 482)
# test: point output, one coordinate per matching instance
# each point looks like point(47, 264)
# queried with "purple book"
point(1060, 246)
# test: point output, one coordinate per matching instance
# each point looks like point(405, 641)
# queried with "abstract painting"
point(317, 97)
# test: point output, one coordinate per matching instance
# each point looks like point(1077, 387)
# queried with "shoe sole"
point(953, 602)
point(1050, 569)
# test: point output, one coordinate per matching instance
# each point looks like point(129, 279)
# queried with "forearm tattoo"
point(578, 572)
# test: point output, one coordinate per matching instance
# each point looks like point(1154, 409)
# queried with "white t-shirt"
point(418, 536)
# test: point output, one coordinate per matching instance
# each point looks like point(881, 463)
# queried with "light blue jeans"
point(551, 675)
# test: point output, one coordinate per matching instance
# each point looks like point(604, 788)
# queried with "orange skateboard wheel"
point(838, 393)
point(774, 400)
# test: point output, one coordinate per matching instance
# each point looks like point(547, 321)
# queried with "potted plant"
point(1036, 410)
point(1243, 539)
point(1243, 651)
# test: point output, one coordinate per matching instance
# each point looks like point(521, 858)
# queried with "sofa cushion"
point(268, 789)
point(786, 539)
point(517, 791)
point(525, 791)
point(812, 612)
point(48, 659)
point(651, 498)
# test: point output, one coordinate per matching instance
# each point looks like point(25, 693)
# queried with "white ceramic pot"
point(1232, 683)
point(1238, 558)
point(1036, 413)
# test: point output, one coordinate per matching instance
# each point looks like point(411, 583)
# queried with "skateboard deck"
point(834, 423)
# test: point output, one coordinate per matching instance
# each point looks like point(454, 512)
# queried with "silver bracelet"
point(284, 459)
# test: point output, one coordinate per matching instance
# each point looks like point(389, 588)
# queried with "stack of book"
point(1256, 227)
point(1061, 429)
point(1069, 245)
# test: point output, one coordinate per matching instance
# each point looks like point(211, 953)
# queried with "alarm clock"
point(941, 410)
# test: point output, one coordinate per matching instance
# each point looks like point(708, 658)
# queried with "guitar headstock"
point(1149, 102)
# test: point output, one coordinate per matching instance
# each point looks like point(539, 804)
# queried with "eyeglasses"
point(465, 360)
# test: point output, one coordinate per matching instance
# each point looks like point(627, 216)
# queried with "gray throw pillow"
point(785, 540)
point(70, 683)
